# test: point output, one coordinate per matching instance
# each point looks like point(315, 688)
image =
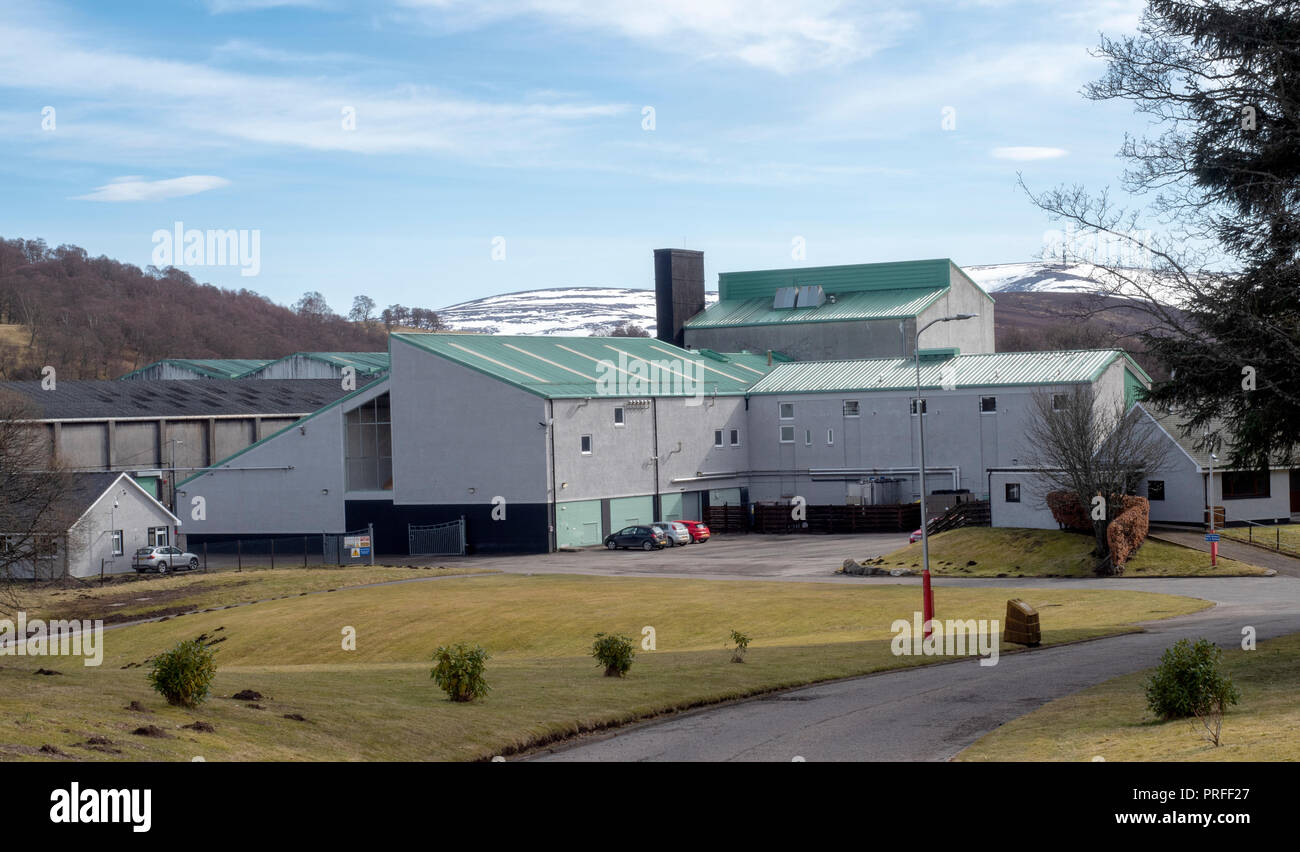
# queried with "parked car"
point(644, 537)
point(914, 537)
point(677, 532)
point(163, 559)
point(698, 530)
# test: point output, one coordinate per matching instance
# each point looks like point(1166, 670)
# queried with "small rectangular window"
point(924, 408)
point(988, 404)
point(117, 543)
point(807, 437)
point(618, 415)
point(717, 437)
point(830, 437)
point(1060, 401)
point(1013, 492)
point(851, 408)
point(787, 434)
point(1155, 489)
point(787, 411)
point(586, 445)
point(157, 536)
point(735, 437)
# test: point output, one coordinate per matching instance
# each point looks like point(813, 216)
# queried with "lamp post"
point(927, 595)
point(174, 442)
point(1209, 489)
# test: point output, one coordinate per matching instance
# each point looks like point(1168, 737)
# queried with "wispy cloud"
point(1028, 152)
point(778, 36)
point(136, 188)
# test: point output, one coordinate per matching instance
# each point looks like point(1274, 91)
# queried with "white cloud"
point(190, 106)
point(778, 36)
point(1028, 152)
point(136, 188)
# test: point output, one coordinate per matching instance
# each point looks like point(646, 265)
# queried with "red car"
point(699, 532)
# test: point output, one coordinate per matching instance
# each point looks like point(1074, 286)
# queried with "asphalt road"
point(932, 713)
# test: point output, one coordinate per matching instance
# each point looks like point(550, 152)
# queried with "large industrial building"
point(796, 384)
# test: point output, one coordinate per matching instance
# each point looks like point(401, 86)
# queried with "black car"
point(644, 537)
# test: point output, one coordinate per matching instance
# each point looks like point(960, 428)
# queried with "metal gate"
point(437, 539)
point(355, 547)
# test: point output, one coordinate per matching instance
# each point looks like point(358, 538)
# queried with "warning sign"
point(357, 545)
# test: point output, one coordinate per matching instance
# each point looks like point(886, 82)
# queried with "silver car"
point(162, 559)
point(676, 531)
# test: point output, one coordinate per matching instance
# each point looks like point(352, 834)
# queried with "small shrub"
point(614, 652)
point(1190, 683)
point(458, 671)
point(1068, 511)
point(184, 674)
point(741, 641)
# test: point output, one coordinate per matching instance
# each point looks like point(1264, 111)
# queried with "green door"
point(626, 511)
point(578, 524)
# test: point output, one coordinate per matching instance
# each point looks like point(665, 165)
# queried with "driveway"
point(1263, 557)
point(933, 712)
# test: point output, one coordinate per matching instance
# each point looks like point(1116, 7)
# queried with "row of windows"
point(987, 405)
point(721, 438)
point(787, 436)
point(1237, 485)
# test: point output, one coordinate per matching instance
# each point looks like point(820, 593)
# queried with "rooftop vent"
point(811, 296)
point(785, 298)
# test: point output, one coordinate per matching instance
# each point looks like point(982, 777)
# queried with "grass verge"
point(1284, 537)
point(379, 703)
point(1111, 719)
point(133, 597)
point(1009, 552)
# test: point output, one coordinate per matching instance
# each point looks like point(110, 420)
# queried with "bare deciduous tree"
point(1093, 447)
point(31, 486)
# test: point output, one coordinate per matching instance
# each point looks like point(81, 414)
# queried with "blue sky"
point(821, 120)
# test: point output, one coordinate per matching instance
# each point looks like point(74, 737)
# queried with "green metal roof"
point(867, 305)
point(366, 363)
point(994, 369)
point(212, 368)
point(854, 278)
point(568, 367)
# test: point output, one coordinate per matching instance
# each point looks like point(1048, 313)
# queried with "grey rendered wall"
point(291, 484)
point(455, 429)
point(620, 464)
point(1031, 512)
point(298, 368)
point(91, 538)
point(970, 336)
point(820, 341)
point(961, 443)
point(1276, 506)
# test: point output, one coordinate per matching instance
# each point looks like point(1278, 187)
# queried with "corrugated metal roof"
point(366, 363)
point(878, 304)
point(993, 369)
point(568, 367)
point(81, 400)
point(212, 368)
point(858, 277)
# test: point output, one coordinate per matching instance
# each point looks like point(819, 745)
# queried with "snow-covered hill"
point(584, 310)
point(559, 310)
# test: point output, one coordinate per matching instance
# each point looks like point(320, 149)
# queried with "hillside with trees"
point(96, 318)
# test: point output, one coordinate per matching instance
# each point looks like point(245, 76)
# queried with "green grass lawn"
point(1008, 552)
point(379, 703)
point(1111, 720)
point(132, 597)
point(1285, 537)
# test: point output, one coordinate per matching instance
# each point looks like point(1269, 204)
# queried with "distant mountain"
point(584, 310)
point(1056, 277)
point(558, 310)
